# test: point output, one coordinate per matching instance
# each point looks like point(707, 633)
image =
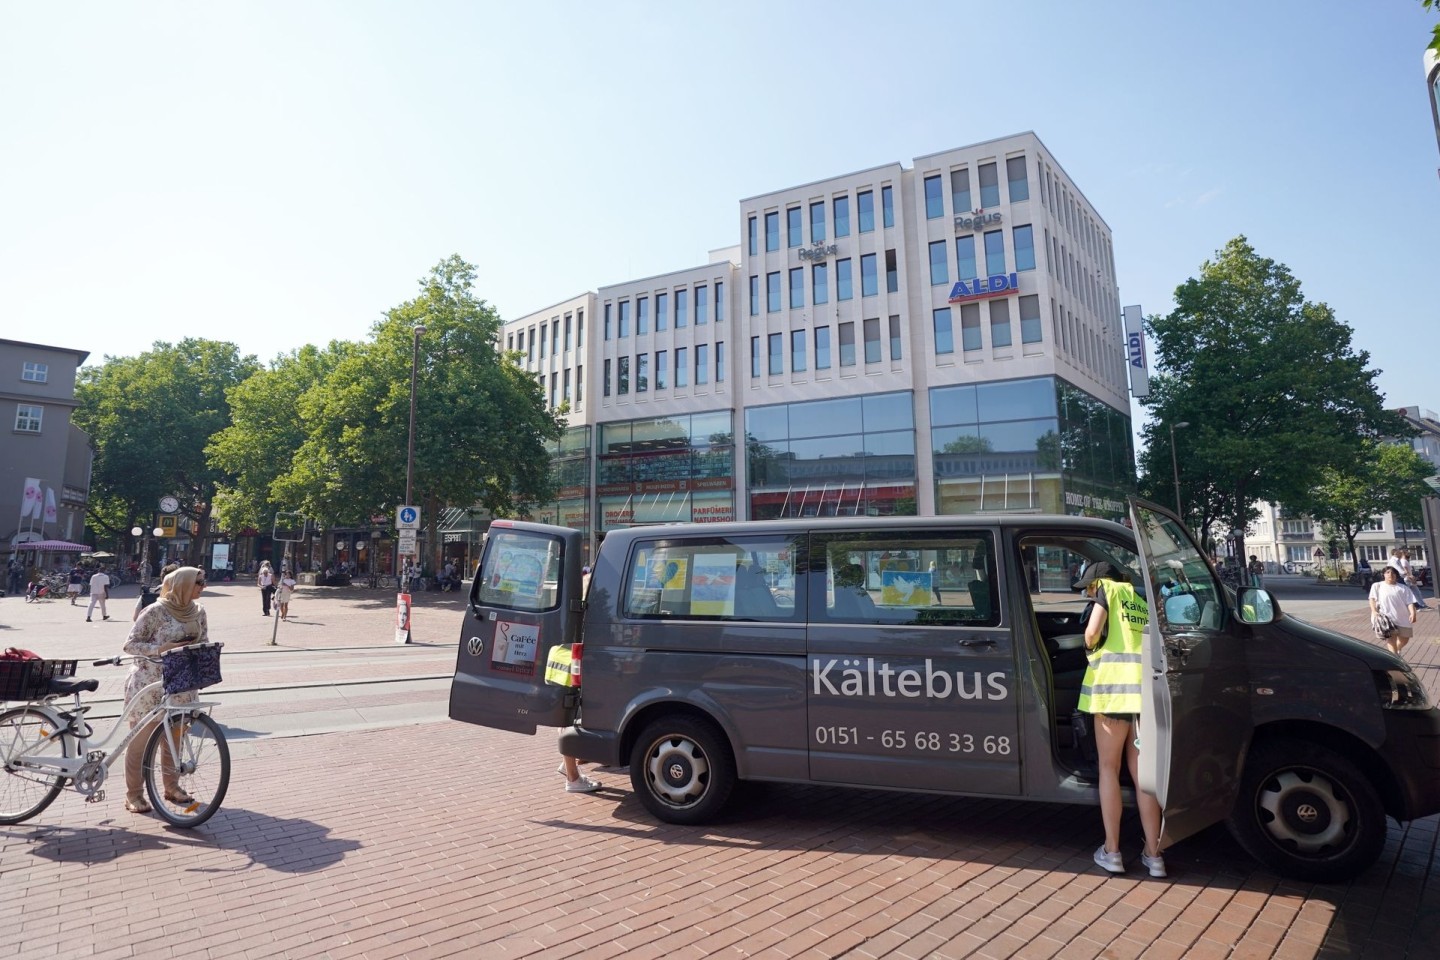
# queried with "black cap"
point(1095, 571)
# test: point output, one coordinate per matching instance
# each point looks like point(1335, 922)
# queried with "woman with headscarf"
point(174, 620)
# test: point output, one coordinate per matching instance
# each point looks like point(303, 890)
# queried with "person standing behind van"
point(1111, 692)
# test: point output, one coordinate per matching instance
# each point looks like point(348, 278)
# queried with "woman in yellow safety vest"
point(1111, 692)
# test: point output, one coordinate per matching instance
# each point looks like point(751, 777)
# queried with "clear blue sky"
point(281, 173)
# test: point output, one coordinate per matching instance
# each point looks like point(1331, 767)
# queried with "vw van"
point(943, 655)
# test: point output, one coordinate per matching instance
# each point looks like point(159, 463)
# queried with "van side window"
point(520, 571)
point(924, 577)
point(1190, 597)
point(725, 578)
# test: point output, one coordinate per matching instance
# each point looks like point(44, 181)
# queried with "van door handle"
point(978, 642)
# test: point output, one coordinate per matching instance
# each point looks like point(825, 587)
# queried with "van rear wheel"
point(1307, 812)
point(683, 769)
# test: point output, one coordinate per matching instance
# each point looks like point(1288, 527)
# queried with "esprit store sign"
point(995, 285)
point(979, 218)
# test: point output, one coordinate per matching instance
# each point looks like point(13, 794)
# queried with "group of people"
point(279, 589)
point(1395, 600)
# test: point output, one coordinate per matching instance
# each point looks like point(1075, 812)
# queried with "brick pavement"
point(451, 840)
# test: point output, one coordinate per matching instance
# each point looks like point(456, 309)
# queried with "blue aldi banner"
point(995, 285)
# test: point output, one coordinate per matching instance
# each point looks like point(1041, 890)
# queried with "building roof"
point(80, 355)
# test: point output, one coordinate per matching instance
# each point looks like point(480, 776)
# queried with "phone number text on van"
point(866, 677)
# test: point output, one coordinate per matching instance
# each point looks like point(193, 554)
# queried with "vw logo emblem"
point(1307, 813)
point(676, 771)
point(474, 645)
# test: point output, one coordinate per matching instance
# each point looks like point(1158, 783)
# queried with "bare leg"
point(572, 770)
point(1149, 806)
point(1111, 735)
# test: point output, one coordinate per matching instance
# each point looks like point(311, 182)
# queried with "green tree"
point(1435, 33)
point(1385, 478)
point(481, 421)
point(1272, 389)
point(150, 418)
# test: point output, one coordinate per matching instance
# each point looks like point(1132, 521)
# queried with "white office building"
point(941, 338)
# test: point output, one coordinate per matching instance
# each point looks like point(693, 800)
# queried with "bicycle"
point(44, 747)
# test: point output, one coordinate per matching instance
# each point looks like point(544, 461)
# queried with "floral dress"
point(154, 628)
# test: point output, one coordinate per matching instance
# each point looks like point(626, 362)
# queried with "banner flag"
point(32, 497)
point(49, 504)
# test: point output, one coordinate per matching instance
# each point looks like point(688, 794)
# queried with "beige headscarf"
point(178, 595)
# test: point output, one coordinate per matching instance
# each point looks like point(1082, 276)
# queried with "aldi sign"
point(995, 285)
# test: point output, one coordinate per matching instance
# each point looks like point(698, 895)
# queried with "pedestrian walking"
point(72, 587)
point(16, 575)
point(1400, 560)
point(283, 593)
point(1111, 692)
point(1396, 601)
point(99, 593)
point(265, 580)
point(1256, 569)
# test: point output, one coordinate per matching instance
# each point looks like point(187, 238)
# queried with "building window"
point(872, 340)
point(772, 231)
point(793, 235)
point(865, 209)
point(579, 336)
point(1030, 331)
point(682, 308)
point(530, 348)
point(777, 354)
point(568, 318)
point(542, 340)
point(754, 296)
point(1019, 182)
point(995, 252)
point(939, 270)
point(702, 304)
point(28, 417)
point(622, 381)
point(750, 233)
point(720, 361)
point(509, 342)
point(565, 389)
point(623, 327)
point(719, 300)
point(944, 335)
point(682, 367)
point(1024, 237)
point(934, 202)
point(892, 275)
point(1000, 323)
point(579, 385)
point(887, 206)
point(702, 363)
point(895, 337)
point(820, 283)
point(35, 372)
point(822, 348)
point(970, 326)
point(642, 315)
point(847, 344)
point(817, 222)
point(960, 190)
point(797, 351)
point(554, 388)
point(555, 336)
point(869, 282)
point(772, 292)
point(843, 288)
point(662, 369)
point(989, 186)
point(605, 388)
point(842, 217)
point(642, 373)
point(797, 287)
point(965, 264)
point(662, 311)
point(755, 358)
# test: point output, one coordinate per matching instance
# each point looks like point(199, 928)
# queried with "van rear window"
point(521, 571)
point(721, 578)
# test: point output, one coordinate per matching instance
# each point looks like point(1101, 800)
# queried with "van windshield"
point(521, 571)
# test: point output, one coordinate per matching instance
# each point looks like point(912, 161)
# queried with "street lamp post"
point(1175, 465)
point(139, 531)
point(410, 449)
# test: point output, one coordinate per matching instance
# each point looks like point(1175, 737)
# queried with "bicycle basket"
point(191, 668)
point(30, 679)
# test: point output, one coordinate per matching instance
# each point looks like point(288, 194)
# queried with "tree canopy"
point(1387, 477)
point(1269, 384)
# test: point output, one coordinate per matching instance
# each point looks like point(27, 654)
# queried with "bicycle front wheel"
point(201, 769)
point(27, 732)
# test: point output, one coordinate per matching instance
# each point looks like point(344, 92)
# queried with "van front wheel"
point(1308, 812)
point(683, 769)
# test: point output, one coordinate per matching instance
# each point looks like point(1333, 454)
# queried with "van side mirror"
point(1182, 610)
point(1256, 605)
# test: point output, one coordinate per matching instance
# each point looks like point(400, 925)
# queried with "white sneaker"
point(1155, 864)
point(586, 785)
point(1111, 862)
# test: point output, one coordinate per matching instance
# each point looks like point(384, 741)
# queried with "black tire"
point(204, 772)
point(683, 769)
point(28, 732)
point(1307, 812)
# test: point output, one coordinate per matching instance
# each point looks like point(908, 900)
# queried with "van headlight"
point(1401, 690)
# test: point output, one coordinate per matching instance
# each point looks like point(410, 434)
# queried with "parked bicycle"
point(45, 746)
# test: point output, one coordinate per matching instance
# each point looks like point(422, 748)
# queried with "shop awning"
point(54, 546)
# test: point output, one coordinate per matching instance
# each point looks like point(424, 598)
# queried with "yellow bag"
point(558, 666)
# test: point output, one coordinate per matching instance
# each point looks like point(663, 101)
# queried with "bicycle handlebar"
point(119, 659)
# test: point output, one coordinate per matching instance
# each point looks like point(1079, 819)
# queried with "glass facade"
point(570, 474)
point(666, 470)
point(851, 456)
point(1038, 445)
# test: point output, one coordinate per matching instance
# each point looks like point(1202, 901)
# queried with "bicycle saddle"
point(64, 687)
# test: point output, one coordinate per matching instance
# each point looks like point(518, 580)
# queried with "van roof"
point(1002, 521)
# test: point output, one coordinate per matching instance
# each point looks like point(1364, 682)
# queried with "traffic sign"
point(407, 543)
point(407, 518)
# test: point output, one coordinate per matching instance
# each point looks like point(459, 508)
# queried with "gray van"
point(942, 654)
